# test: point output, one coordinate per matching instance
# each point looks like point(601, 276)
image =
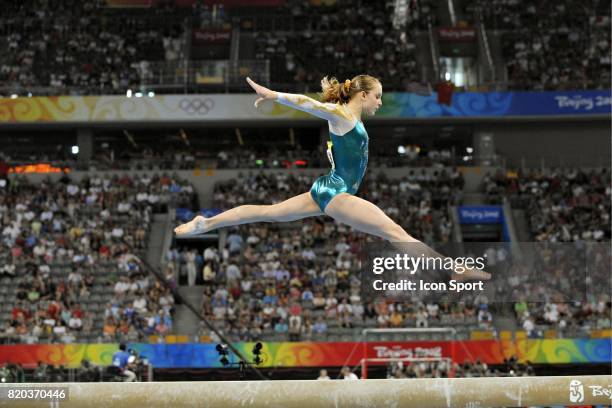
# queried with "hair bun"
point(347, 86)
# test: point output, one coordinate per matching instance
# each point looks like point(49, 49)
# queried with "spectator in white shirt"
point(323, 375)
point(122, 286)
point(348, 374)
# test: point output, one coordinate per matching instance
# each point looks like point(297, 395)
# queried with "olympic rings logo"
point(196, 106)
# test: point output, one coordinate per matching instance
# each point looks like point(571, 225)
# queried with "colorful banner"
point(197, 355)
point(222, 107)
point(457, 34)
point(498, 104)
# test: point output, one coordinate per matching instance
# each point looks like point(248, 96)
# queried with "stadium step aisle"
point(185, 322)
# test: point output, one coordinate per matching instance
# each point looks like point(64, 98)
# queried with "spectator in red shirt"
point(77, 311)
point(4, 169)
point(53, 310)
point(19, 310)
point(445, 92)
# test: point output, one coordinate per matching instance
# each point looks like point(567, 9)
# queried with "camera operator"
point(41, 373)
point(59, 374)
point(138, 364)
point(87, 372)
point(125, 362)
point(18, 373)
point(6, 374)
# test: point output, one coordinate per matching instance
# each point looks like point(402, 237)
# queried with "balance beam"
point(417, 393)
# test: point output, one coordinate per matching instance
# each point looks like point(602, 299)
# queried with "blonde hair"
point(336, 92)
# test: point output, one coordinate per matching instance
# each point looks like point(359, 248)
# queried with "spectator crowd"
point(297, 282)
point(446, 369)
point(70, 267)
point(71, 47)
point(67, 246)
point(563, 205)
point(84, 47)
point(361, 33)
point(562, 45)
point(569, 208)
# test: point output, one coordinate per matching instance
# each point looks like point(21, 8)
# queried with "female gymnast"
point(342, 105)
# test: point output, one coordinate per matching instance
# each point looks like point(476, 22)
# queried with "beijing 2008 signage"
point(223, 107)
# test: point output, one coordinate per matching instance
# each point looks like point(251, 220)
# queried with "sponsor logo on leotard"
point(330, 155)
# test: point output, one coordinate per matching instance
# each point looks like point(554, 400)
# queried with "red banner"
point(487, 351)
point(457, 34)
point(211, 36)
point(324, 354)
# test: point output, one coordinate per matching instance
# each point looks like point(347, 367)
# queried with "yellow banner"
point(104, 109)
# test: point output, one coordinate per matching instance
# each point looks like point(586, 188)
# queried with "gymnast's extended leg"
point(295, 208)
point(367, 217)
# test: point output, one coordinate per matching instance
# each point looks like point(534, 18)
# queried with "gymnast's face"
point(372, 100)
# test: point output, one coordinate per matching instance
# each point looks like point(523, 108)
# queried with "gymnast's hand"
point(263, 92)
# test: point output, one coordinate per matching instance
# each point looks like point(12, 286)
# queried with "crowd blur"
point(299, 281)
point(67, 246)
point(558, 289)
point(562, 45)
point(379, 158)
point(566, 319)
point(569, 208)
point(446, 369)
point(416, 196)
point(562, 205)
point(167, 158)
point(322, 35)
point(84, 47)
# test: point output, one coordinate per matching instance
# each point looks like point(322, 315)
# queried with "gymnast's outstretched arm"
point(339, 121)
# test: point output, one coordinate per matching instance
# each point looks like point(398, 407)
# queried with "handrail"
point(487, 49)
point(451, 12)
point(433, 50)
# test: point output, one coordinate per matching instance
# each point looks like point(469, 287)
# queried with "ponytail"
point(336, 92)
point(333, 91)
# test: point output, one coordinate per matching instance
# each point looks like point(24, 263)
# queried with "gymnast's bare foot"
point(471, 274)
point(194, 227)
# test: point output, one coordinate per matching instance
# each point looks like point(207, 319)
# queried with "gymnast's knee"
point(395, 233)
